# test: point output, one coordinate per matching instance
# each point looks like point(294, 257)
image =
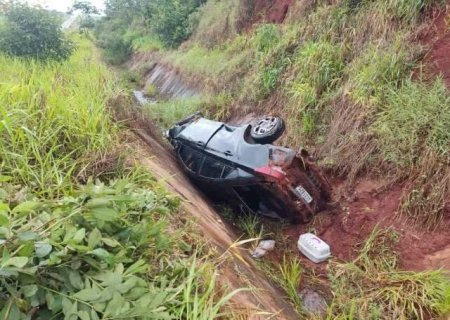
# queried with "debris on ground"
point(314, 248)
point(262, 248)
point(313, 302)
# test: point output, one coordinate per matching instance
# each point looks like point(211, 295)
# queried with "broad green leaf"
point(116, 306)
point(84, 315)
point(4, 232)
point(137, 267)
point(18, 262)
point(94, 239)
point(28, 236)
point(4, 219)
point(26, 207)
point(54, 302)
point(4, 178)
point(30, 290)
point(42, 249)
point(88, 294)
point(8, 272)
point(26, 250)
point(79, 235)
point(101, 253)
point(94, 315)
point(104, 214)
point(98, 202)
point(75, 280)
point(110, 242)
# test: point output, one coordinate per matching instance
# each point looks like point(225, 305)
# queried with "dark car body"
point(263, 178)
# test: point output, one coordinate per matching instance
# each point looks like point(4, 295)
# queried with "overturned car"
point(237, 164)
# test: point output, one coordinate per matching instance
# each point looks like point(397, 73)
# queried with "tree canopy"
point(33, 32)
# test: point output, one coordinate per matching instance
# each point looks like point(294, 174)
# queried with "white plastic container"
point(314, 248)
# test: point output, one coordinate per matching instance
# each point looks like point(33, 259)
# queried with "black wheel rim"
point(264, 126)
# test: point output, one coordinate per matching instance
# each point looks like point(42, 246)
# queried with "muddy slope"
point(237, 270)
point(436, 37)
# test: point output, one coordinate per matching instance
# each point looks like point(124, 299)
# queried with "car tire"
point(267, 129)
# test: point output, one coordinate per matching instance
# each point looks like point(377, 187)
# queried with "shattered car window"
point(214, 169)
point(191, 158)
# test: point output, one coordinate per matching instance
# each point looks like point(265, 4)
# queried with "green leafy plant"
point(85, 255)
point(31, 32)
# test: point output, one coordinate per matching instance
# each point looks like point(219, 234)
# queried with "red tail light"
point(272, 172)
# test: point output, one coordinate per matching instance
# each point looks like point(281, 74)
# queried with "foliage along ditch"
point(83, 234)
point(347, 77)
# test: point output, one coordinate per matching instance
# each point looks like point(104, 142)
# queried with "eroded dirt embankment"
point(436, 37)
point(236, 270)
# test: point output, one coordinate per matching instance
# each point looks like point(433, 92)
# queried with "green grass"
point(99, 247)
point(53, 119)
point(290, 275)
point(166, 113)
point(371, 286)
point(415, 117)
point(146, 43)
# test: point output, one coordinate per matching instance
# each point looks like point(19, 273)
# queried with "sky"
point(62, 5)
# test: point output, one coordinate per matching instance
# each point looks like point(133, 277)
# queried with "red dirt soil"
point(272, 11)
point(436, 36)
point(346, 227)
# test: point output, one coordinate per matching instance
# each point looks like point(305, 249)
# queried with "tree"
point(87, 10)
point(32, 32)
point(85, 7)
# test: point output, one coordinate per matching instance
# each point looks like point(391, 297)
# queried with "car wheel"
point(267, 129)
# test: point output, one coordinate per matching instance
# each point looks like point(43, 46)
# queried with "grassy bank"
point(84, 236)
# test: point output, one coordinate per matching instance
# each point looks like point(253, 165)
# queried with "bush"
point(33, 33)
point(171, 20)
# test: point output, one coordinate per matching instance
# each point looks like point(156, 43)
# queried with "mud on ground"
point(359, 211)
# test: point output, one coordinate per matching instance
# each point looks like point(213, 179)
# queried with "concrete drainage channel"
point(264, 300)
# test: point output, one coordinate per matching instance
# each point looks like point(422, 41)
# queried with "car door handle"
point(228, 153)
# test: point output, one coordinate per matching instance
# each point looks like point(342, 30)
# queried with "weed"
point(376, 71)
point(151, 90)
point(266, 38)
point(169, 112)
point(415, 117)
point(251, 225)
point(291, 272)
point(371, 287)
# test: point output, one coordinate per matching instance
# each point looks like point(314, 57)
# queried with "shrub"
point(172, 20)
point(32, 32)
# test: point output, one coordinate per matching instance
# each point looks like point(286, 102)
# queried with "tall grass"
point(166, 113)
point(94, 250)
point(53, 118)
